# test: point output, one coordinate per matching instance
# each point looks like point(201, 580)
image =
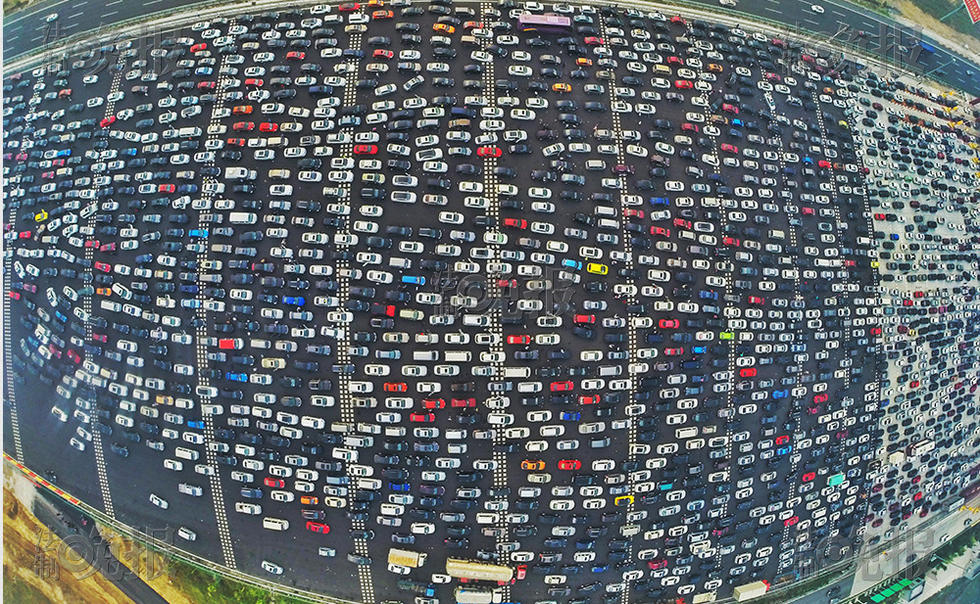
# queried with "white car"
point(817, 9)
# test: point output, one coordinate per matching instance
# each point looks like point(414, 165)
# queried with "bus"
point(464, 569)
point(546, 24)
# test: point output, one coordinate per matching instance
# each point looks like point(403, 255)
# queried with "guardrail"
point(168, 548)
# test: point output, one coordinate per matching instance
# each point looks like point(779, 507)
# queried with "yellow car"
point(623, 500)
point(446, 29)
point(583, 61)
point(41, 216)
point(875, 264)
point(726, 335)
point(597, 269)
point(561, 87)
point(532, 465)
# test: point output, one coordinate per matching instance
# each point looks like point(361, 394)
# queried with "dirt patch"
point(37, 567)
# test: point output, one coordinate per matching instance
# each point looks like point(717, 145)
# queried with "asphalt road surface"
point(881, 36)
point(815, 357)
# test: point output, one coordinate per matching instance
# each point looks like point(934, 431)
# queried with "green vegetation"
point(940, 8)
point(10, 6)
point(202, 585)
point(17, 590)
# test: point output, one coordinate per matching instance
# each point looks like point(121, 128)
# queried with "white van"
point(275, 524)
point(242, 218)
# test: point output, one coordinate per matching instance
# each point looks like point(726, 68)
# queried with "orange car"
point(561, 87)
point(380, 15)
point(103, 291)
point(583, 61)
point(241, 109)
point(444, 28)
point(715, 67)
point(309, 500)
point(532, 465)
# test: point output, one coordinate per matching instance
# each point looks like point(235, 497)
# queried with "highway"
point(128, 481)
point(27, 30)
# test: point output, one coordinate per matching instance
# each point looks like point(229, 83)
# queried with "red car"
point(347, 7)
point(277, 483)
point(521, 571)
point(727, 148)
point(524, 339)
point(689, 127)
point(207, 85)
point(673, 352)
point(92, 243)
point(395, 387)
point(381, 53)
point(674, 60)
point(669, 323)
point(489, 152)
point(463, 402)
point(14, 295)
point(199, 47)
point(820, 398)
point(680, 222)
point(594, 41)
point(517, 223)
point(589, 399)
point(100, 337)
point(756, 300)
point(243, 126)
point(569, 464)
point(236, 142)
point(561, 386)
point(365, 149)
point(74, 356)
point(166, 188)
point(106, 122)
point(662, 232)
point(683, 84)
point(728, 108)
point(295, 55)
point(254, 81)
point(732, 241)
point(747, 372)
point(317, 527)
point(425, 418)
point(229, 344)
point(434, 403)
point(631, 213)
point(268, 127)
point(102, 266)
point(824, 164)
point(585, 319)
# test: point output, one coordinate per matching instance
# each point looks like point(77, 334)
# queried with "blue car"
point(572, 264)
point(202, 233)
point(236, 377)
point(63, 153)
point(660, 201)
point(778, 394)
point(784, 450)
point(195, 423)
point(413, 279)
point(708, 295)
point(699, 349)
point(294, 300)
point(400, 487)
point(571, 416)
